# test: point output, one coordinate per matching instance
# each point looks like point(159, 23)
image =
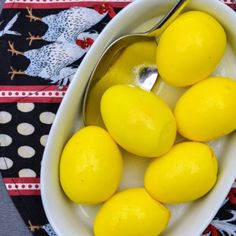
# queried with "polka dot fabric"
point(24, 136)
point(38, 61)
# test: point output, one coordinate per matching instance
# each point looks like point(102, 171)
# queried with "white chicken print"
point(9, 25)
point(47, 228)
point(64, 77)
point(67, 24)
point(48, 61)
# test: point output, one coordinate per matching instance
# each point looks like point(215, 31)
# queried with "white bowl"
point(70, 219)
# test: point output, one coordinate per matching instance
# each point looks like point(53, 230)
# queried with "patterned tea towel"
point(42, 43)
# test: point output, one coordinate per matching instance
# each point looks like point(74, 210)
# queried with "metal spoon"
point(147, 76)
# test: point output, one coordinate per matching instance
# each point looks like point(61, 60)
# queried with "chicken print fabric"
point(7, 28)
point(51, 46)
point(50, 60)
point(66, 25)
point(42, 43)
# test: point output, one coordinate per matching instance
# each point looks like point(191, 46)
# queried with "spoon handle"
point(168, 18)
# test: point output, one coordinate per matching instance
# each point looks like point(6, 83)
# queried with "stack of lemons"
point(142, 123)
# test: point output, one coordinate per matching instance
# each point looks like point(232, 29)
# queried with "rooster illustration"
point(222, 226)
point(47, 228)
point(48, 61)
point(67, 24)
point(9, 25)
point(64, 77)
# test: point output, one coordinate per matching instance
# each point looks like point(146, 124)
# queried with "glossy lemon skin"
point(90, 166)
point(190, 49)
point(207, 111)
point(187, 172)
point(131, 213)
point(139, 121)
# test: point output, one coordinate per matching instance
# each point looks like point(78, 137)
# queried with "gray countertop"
point(11, 223)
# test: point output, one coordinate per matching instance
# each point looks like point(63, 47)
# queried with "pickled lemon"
point(190, 48)
point(90, 166)
point(139, 121)
point(131, 213)
point(207, 111)
point(124, 71)
point(187, 172)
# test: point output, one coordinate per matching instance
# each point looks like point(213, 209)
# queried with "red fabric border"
point(21, 180)
point(232, 5)
point(58, 5)
point(32, 88)
point(22, 186)
point(36, 94)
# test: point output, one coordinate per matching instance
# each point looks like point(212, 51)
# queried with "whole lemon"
point(139, 121)
point(190, 48)
point(124, 71)
point(207, 111)
point(132, 212)
point(187, 172)
point(90, 166)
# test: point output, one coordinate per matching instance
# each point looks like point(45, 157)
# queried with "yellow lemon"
point(132, 212)
point(187, 172)
point(139, 121)
point(207, 111)
point(90, 166)
point(123, 71)
point(190, 48)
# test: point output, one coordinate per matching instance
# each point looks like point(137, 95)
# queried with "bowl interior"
point(68, 218)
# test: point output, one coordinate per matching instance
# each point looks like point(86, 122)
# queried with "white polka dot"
point(47, 117)
point(5, 140)
point(5, 117)
point(26, 151)
point(25, 107)
point(26, 173)
point(43, 140)
point(25, 129)
point(5, 163)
